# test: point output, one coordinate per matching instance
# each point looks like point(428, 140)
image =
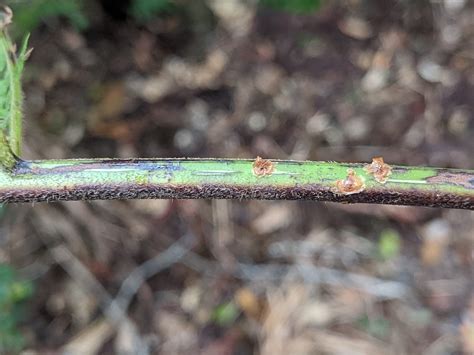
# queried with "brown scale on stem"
point(352, 184)
point(379, 169)
point(263, 167)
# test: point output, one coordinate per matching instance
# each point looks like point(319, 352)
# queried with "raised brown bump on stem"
point(352, 184)
point(263, 167)
point(379, 169)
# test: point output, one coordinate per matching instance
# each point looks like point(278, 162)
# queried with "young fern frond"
point(11, 96)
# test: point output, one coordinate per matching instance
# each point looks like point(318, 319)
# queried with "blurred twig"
point(115, 309)
point(383, 289)
point(150, 268)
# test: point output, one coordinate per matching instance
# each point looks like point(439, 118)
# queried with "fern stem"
point(7, 158)
point(54, 180)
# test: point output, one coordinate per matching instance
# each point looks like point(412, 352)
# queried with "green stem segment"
point(11, 98)
point(54, 180)
point(7, 158)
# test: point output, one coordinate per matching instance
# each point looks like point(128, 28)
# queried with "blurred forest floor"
point(353, 80)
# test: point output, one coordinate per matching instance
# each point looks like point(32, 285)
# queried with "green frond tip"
point(12, 63)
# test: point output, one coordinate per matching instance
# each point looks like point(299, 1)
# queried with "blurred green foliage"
point(145, 10)
point(225, 314)
point(376, 326)
point(295, 6)
point(29, 14)
point(389, 244)
point(13, 293)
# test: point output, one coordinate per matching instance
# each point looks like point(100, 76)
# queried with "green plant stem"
point(12, 97)
point(54, 180)
point(7, 158)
